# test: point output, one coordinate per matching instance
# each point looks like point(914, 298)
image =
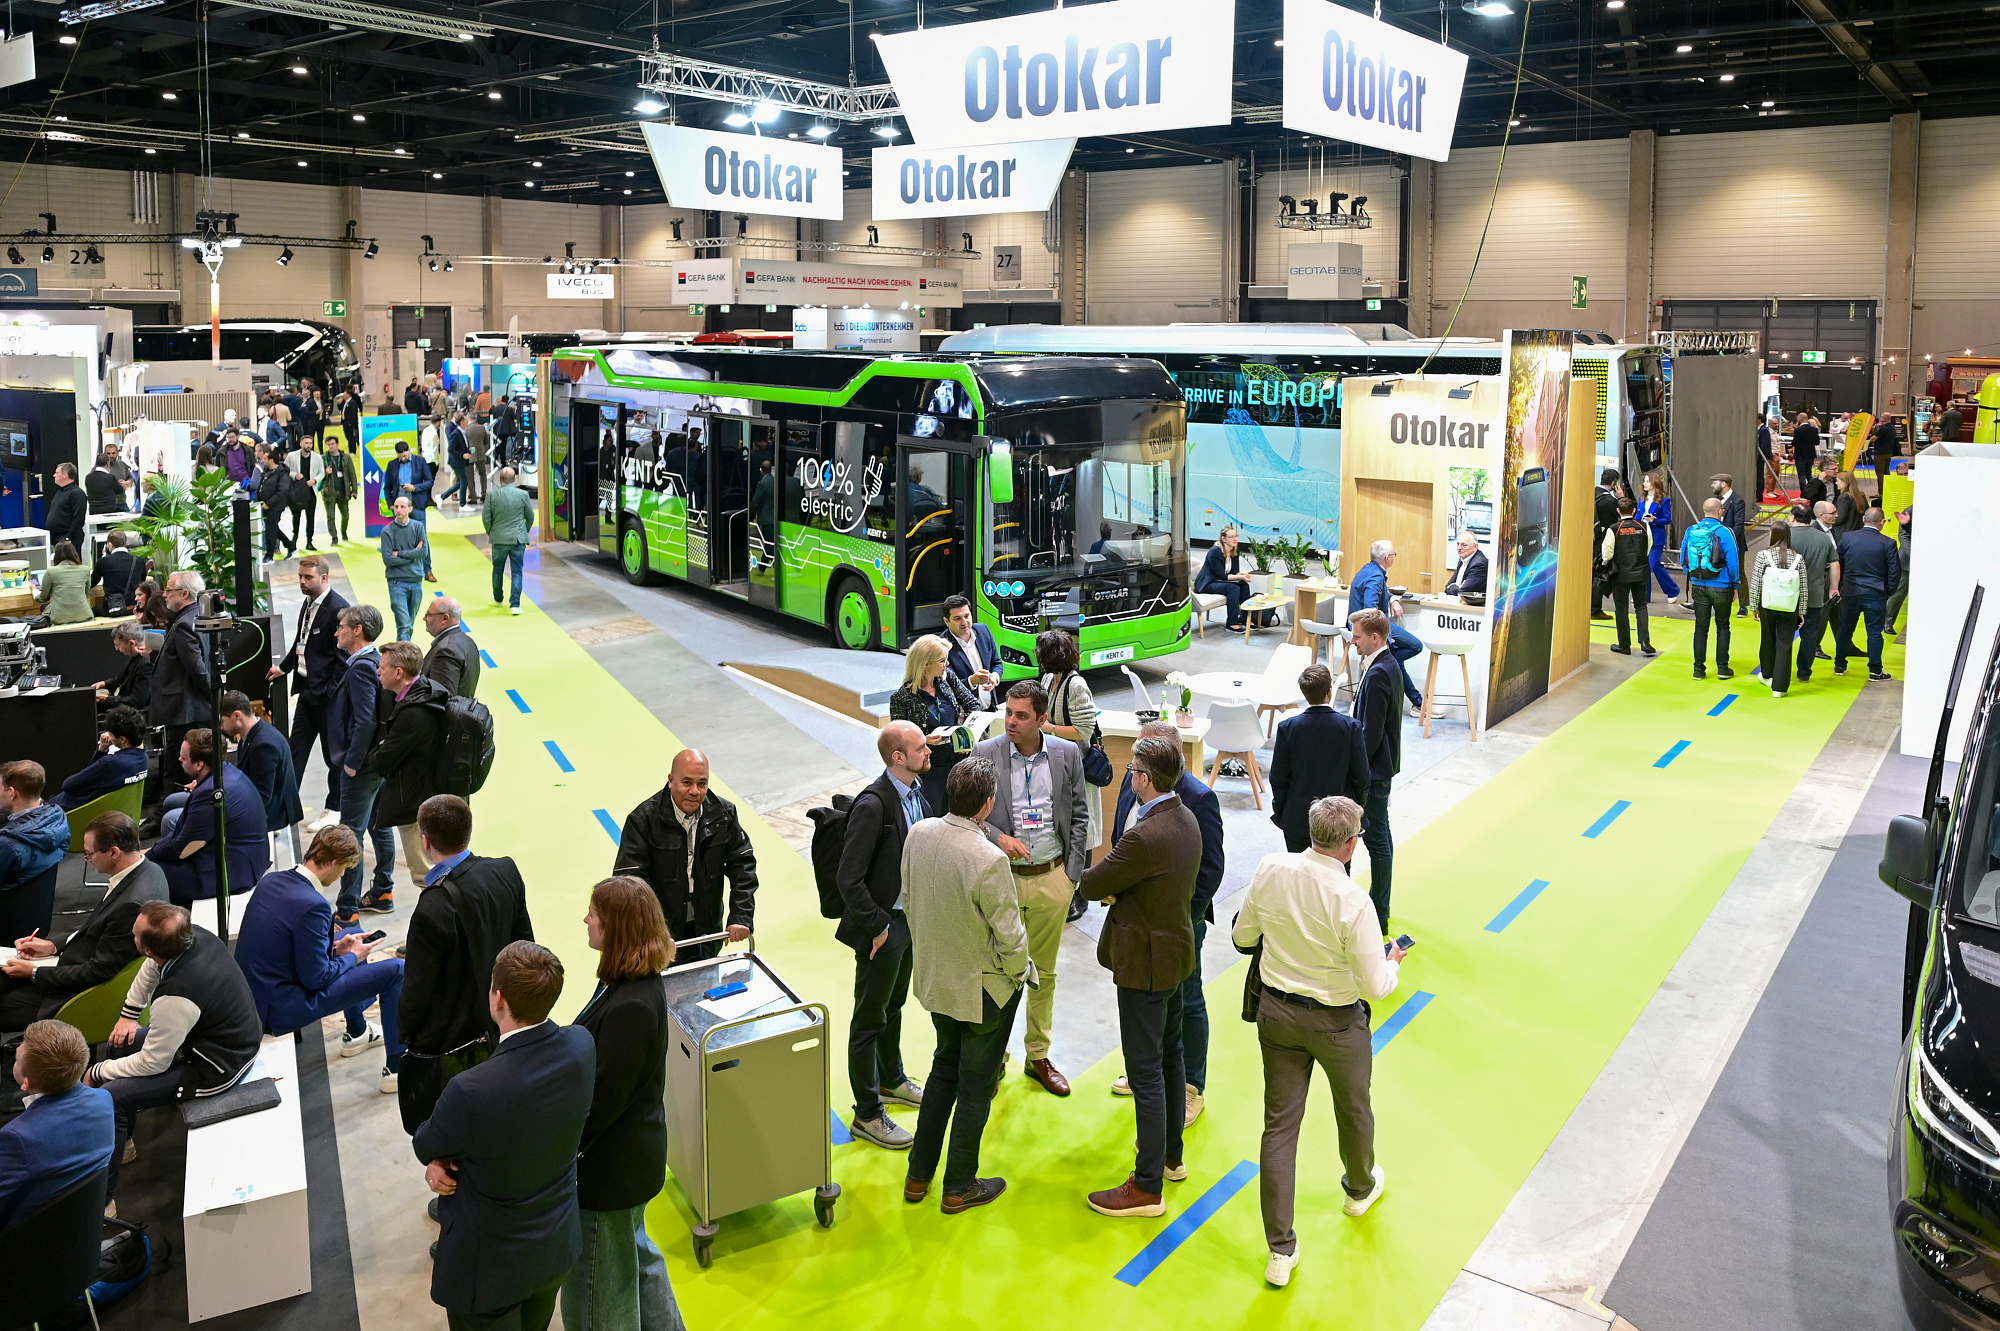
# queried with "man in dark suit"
point(1470, 575)
point(500, 1150)
point(316, 664)
point(183, 684)
point(1207, 809)
point(471, 908)
point(102, 946)
point(1870, 568)
point(1380, 710)
point(133, 686)
point(1805, 448)
point(266, 759)
point(453, 658)
point(1148, 946)
point(870, 879)
point(1604, 513)
point(654, 846)
point(120, 571)
point(973, 657)
point(1735, 516)
point(186, 848)
point(121, 756)
point(1319, 752)
point(351, 725)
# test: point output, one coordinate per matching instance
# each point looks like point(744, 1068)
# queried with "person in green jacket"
point(65, 590)
point(507, 516)
point(337, 485)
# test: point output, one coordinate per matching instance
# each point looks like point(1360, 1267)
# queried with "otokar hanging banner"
point(958, 182)
point(1120, 67)
point(745, 173)
point(1350, 77)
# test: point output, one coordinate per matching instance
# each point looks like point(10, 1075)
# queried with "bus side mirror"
point(1000, 473)
point(1906, 859)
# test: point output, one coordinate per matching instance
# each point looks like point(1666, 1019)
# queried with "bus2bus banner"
point(1348, 76)
point(379, 437)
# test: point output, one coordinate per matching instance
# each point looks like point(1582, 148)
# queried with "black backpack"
point(465, 747)
point(829, 835)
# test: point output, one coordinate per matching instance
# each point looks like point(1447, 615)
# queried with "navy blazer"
point(324, 664)
point(1207, 810)
point(286, 949)
point(1216, 568)
point(1870, 567)
point(419, 474)
point(109, 772)
point(351, 718)
point(55, 1144)
point(511, 1126)
point(989, 655)
point(266, 758)
point(1470, 576)
point(193, 879)
point(1378, 706)
point(1317, 753)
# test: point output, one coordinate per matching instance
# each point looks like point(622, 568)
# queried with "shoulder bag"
point(1096, 762)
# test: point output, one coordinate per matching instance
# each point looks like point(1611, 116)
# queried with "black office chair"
point(51, 1256)
point(30, 906)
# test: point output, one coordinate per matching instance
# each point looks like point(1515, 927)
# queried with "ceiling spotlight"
point(1683, 49)
point(1489, 8)
point(1727, 78)
point(630, 174)
point(372, 250)
point(493, 94)
point(434, 265)
point(888, 131)
point(242, 133)
point(628, 191)
point(765, 112)
point(1513, 124)
point(437, 175)
point(1769, 104)
point(820, 132)
point(298, 69)
point(1279, 42)
point(737, 118)
point(649, 107)
point(874, 236)
point(530, 184)
point(359, 117)
point(447, 265)
point(285, 256)
point(1614, 4)
point(48, 254)
point(1287, 206)
point(401, 153)
point(151, 151)
point(91, 254)
point(535, 164)
point(14, 255)
point(170, 97)
point(1131, 150)
point(465, 36)
point(302, 161)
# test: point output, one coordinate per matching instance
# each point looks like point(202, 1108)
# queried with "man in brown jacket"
point(1148, 945)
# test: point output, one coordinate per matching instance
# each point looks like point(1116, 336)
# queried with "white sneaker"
point(324, 821)
point(1123, 1086)
point(390, 1083)
point(1195, 1104)
point(1176, 1173)
point(515, 610)
point(350, 1045)
point(1359, 1205)
point(1278, 1271)
point(1776, 693)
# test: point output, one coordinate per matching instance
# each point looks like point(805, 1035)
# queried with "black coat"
point(266, 758)
point(870, 876)
point(120, 571)
point(64, 514)
point(103, 946)
point(460, 924)
point(324, 664)
point(133, 686)
point(405, 754)
point(1378, 706)
point(511, 1126)
point(103, 492)
point(654, 847)
point(1470, 576)
point(453, 661)
point(1317, 753)
point(624, 1160)
point(183, 684)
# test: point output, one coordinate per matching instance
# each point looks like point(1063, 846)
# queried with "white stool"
point(1442, 647)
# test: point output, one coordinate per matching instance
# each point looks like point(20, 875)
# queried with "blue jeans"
point(357, 808)
point(1875, 611)
point(419, 517)
point(350, 994)
point(619, 1283)
point(505, 557)
point(406, 599)
point(1194, 1016)
point(1403, 645)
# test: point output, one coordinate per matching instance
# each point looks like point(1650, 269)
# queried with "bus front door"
point(726, 460)
point(933, 552)
point(761, 525)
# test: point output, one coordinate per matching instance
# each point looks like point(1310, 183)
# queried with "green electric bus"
point(859, 492)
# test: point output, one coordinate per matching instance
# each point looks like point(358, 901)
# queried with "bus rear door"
point(933, 519)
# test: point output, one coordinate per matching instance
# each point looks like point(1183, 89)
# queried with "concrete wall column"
point(1639, 237)
point(1231, 203)
point(1417, 221)
point(1073, 195)
point(492, 242)
point(1892, 385)
point(611, 245)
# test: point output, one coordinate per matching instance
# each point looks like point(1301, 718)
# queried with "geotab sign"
point(1348, 76)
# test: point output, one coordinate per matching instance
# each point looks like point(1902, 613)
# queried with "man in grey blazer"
point(1041, 820)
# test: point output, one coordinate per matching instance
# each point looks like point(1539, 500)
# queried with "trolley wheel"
point(823, 1200)
point(852, 615)
point(704, 1244)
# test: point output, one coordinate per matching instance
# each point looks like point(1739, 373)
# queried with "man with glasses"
point(98, 948)
point(183, 684)
point(453, 658)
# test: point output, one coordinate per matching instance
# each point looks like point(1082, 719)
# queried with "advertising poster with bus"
point(1530, 484)
point(379, 436)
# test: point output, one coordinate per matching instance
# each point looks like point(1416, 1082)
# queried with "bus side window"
point(808, 448)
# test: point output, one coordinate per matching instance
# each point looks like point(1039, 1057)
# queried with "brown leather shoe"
point(1045, 1072)
point(982, 1191)
point(1127, 1200)
point(915, 1190)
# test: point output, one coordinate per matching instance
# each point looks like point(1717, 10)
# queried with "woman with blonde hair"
point(619, 1281)
point(934, 700)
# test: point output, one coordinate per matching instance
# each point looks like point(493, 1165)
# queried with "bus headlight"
point(1946, 1115)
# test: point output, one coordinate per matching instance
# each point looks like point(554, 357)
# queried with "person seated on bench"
point(299, 972)
point(121, 755)
point(265, 756)
point(34, 836)
point(204, 1029)
point(186, 848)
point(99, 949)
point(65, 1134)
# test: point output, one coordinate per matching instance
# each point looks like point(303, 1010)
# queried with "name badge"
point(1033, 820)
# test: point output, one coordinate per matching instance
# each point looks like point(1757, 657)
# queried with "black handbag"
point(1253, 984)
point(252, 1097)
point(1096, 762)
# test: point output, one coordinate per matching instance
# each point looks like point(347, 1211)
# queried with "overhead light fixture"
point(242, 133)
point(765, 112)
point(437, 175)
point(530, 184)
point(1770, 104)
point(465, 36)
point(1682, 49)
point(1489, 8)
point(1513, 124)
point(359, 117)
point(447, 265)
point(1279, 42)
point(401, 153)
point(1131, 150)
point(888, 131)
point(820, 132)
point(14, 255)
point(1614, 4)
point(630, 174)
point(170, 97)
point(737, 118)
point(434, 265)
point(285, 256)
point(343, 14)
point(302, 161)
point(66, 40)
point(649, 107)
point(536, 165)
point(48, 254)
point(628, 191)
point(151, 151)
point(1727, 78)
point(91, 254)
point(493, 94)
point(372, 250)
point(874, 235)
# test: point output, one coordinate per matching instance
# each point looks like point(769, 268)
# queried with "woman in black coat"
point(620, 1280)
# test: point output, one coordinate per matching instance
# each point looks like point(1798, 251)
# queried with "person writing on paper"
point(934, 700)
point(1470, 575)
point(100, 946)
point(974, 658)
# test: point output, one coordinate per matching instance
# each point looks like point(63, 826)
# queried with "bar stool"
point(1443, 645)
point(1328, 624)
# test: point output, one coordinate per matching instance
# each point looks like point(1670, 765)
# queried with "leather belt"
point(1031, 870)
point(1300, 1000)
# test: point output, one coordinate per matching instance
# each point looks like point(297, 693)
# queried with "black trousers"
point(533, 1313)
point(1381, 847)
point(959, 1094)
point(1774, 653)
point(309, 723)
point(1632, 596)
point(1149, 1028)
point(1812, 627)
point(303, 516)
point(1712, 603)
point(21, 1006)
point(875, 1035)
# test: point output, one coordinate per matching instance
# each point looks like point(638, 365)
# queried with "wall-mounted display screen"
point(15, 448)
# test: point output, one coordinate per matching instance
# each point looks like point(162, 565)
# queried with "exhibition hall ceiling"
point(537, 100)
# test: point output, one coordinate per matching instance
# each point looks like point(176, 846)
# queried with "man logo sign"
point(1350, 77)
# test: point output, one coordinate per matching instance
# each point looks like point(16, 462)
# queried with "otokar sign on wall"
point(746, 173)
point(1350, 77)
point(1114, 68)
point(958, 182)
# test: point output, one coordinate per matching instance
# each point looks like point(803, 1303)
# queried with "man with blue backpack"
point(1708, 554)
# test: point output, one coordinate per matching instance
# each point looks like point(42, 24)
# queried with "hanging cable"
point(41, 131)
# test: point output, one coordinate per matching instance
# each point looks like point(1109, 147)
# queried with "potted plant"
point(1297, 554)
point(193, 526)
point(1180, 694)
point(1265, 556)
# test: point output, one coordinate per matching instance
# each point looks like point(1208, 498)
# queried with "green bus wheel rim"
point(852, 617)
point(634, 551)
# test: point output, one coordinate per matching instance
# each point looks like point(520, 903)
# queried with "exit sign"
point(1579, 293)
point(1813, 357)
point(333, 309)
point(423, 344)
point(1374, 304)
point(697, 310)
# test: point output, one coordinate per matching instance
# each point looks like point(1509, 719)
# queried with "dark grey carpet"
point(1775, 1215)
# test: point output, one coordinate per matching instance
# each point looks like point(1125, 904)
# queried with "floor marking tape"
point(1517, 905)
point(1673, 753)
point(610, 827)
point(487, 657)
point(1610, 817)
point(1186, 1223)
point(1400, 1018)
point(557, 754)
point(515, 698)
point(1727, 699)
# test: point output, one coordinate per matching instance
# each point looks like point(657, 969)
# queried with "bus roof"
point(1232, 339)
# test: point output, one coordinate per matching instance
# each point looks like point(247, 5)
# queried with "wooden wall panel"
point(1569, 649)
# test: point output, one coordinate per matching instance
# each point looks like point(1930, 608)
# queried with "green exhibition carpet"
point(1496, 1035)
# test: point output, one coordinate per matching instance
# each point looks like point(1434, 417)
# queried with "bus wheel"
point(853, 618)
point(632, 556)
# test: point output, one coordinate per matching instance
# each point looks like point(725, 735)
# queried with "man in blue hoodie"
point(1708, 553)
point(34, 836)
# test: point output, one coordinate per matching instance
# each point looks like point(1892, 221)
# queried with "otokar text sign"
point(746, 173)
point(1349, 77)
point(959, 182)
point(1114, 68)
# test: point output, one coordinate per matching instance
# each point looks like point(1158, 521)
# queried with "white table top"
point(256, 1156)
point(1230, 685)
point(1125, 725)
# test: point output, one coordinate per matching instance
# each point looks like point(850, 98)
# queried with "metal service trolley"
point(748, 1100)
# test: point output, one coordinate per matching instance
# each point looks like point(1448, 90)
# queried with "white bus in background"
point(1264, 403)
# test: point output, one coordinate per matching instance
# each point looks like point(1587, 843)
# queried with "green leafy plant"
point(1296, 553)
point(1260, 552)
point(192, 526)
point(173, 512)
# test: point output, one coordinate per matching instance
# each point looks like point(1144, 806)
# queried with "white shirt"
point(970, 642)
point(1321, 937)
point(505, 1036)
point(305, 628)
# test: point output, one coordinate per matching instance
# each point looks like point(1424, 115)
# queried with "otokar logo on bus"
point(1119, 67)
point(1350, 77)
point(953, 182)
point(746, 173)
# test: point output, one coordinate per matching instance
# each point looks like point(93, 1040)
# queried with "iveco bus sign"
point(745, 173)
point(1121, 67)
point(961, 182)
point(1350, 77)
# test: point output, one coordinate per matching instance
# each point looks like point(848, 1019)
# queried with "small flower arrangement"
point(1180, 691)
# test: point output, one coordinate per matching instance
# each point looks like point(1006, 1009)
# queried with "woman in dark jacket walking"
point(619, 1283)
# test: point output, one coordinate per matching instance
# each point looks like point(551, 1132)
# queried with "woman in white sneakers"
point(1777, 590)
